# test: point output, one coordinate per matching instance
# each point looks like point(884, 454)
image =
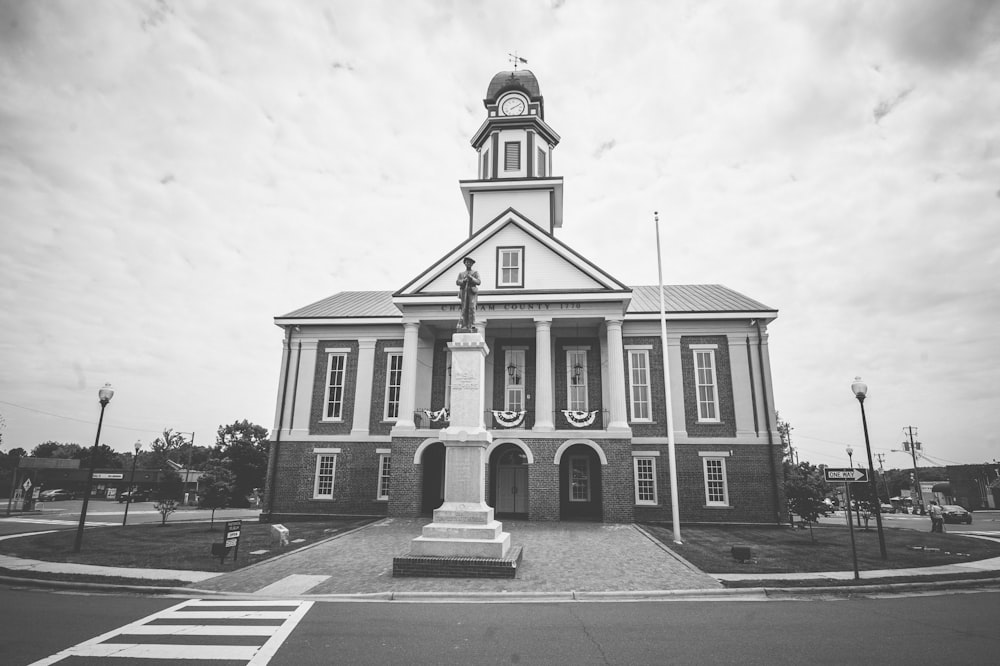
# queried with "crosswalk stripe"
point(253, 655)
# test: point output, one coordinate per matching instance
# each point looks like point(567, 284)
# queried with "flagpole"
point(671, 445)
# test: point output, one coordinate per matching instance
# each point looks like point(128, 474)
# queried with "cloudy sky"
point(173, 174)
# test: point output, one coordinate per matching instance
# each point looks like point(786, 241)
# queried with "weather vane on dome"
point(514, 58)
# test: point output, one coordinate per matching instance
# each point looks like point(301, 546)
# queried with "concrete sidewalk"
point(560, 560)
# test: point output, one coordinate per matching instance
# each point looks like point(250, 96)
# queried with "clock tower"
point(514, 148)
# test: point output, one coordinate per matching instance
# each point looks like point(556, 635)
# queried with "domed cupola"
point(519, 81)
point(514, 147)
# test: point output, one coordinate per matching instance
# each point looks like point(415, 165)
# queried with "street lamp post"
point(131, 487)
point(104, 395)
point(860, 390)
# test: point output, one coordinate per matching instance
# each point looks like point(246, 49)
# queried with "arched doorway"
point(509, 481)
point(580, 496)
point(432, 462)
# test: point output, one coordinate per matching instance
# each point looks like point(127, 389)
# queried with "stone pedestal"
point(464, 530)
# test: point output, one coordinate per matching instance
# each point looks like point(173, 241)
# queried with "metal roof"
point(677, 298)
point(693, 298)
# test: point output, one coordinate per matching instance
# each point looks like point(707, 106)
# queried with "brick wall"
point(658, 401)
point(559, 388)
point(376, 423)
point(354, 487)
point(724, 385)
point(316, 424)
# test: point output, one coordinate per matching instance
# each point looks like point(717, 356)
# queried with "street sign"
point(26, 485)
point(846, 475)
point(230, 540)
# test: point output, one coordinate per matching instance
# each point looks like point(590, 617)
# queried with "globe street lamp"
point(860, 390)
point(104, 395)
point(131, 487)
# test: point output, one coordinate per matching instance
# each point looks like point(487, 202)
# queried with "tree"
point(165, 447)
point(165, 507)
point(216, 489)
point(52, 449)
point(805, 490)
point(785, 433)
point(242, 447)
point(8, 463)
point(106, 457)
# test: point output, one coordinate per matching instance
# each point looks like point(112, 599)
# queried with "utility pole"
point(881, 471)
point(912, 431)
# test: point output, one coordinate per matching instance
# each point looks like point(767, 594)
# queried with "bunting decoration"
point(439, 415)
point(507, 419)
point(579, 419)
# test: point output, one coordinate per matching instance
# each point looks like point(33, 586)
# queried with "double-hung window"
point(384, 468)
point(576, 379)
point(639, 393)
point(716, 485)
point(579, 478)
point(706, 384)
point(336, 376)
point(644, 469)
point(510, 267)
point(393, 383)
point(326, 467)
point(514, 380)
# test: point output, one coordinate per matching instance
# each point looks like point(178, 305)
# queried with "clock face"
point(512, 106)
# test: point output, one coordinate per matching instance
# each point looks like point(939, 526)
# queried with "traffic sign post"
point(230, 541)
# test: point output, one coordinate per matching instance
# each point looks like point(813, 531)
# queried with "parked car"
point(55, 494)
point(887, 508)
point(956, 514)
point(138, 495)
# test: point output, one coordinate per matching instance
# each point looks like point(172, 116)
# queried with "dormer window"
point(510, 267)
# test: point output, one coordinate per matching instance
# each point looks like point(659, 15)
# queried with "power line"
point(71, 418)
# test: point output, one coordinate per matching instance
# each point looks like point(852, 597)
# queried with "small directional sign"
point(847, 475)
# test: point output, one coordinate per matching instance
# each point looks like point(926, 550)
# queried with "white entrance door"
point(512, 489)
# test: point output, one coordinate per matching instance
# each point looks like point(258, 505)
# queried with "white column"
point(408, 390)
point(300, 405)
point(543, 374)
point(363, 387)
point(616, 382)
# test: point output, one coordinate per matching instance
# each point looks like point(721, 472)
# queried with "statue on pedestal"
point(468, 287)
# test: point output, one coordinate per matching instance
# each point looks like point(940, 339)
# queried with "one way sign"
point(847, 475)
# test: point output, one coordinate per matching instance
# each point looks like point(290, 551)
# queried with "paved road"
point(954, 629)
point(982, 521)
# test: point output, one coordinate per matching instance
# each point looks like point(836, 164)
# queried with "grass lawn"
point(783, 549)
point(177, 545)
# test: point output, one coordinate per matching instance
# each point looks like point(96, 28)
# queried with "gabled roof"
point(512, 228)
point(677, 299)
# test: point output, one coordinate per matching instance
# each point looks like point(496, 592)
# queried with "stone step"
point(490, 531)
point(497, 547)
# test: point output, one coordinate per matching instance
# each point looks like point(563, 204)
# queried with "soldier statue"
point(468, 288)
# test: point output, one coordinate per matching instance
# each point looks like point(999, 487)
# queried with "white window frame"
point(639, 458)
point(384, 474)
point(643, 352)
point(325, 456)
point(392, 354)
point(570, 352)
point(709, 383)
point(338, 416)
point(519, 356)
point(517, 268)
point(569, 481)
point(716, 460)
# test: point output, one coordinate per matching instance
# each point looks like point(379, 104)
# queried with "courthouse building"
point(575, 397)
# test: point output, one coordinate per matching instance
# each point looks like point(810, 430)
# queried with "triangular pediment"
point(548, 266)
